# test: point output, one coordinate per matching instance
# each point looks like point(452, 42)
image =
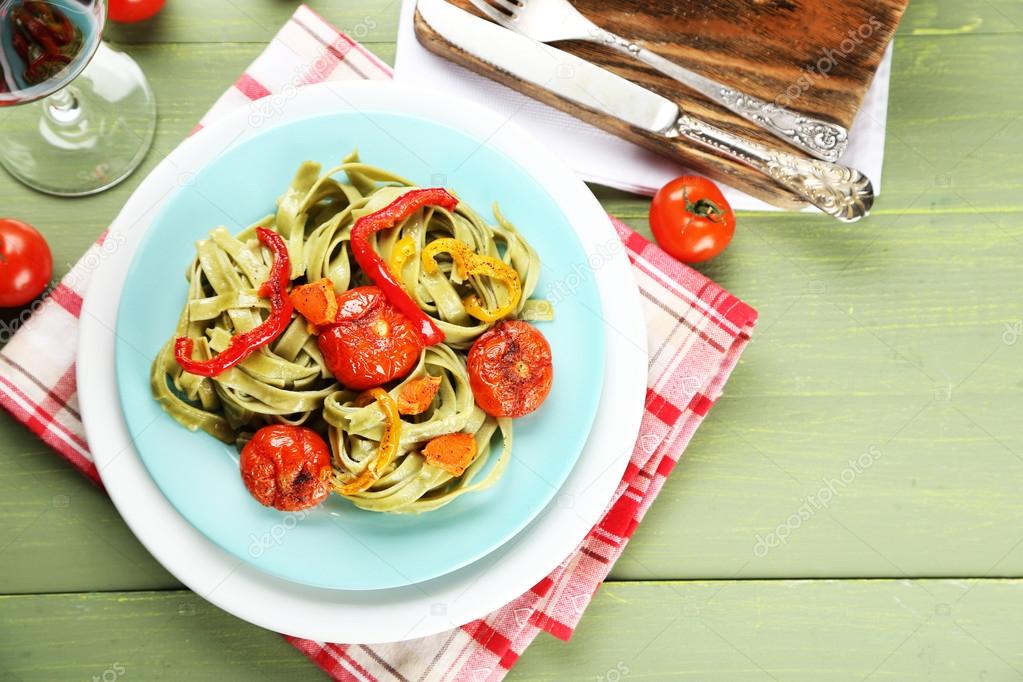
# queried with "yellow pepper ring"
point(467, 263)
point(388, 441)
point(459, 250)
point(402, 251)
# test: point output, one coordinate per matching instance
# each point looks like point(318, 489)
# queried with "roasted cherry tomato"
point(130, 11)
point(25, 263)
point(370, 342)
point(691, 220)
point(287, 467)
point(510, 369)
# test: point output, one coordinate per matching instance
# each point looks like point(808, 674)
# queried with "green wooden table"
point(897, 339)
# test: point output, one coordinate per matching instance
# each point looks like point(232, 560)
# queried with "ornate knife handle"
point(839, 191)
point(819, 138)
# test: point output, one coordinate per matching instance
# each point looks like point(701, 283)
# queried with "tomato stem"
point(705, 208)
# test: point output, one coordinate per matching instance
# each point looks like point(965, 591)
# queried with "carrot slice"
point(452, 452)
point(416, 396)
point(316, 301)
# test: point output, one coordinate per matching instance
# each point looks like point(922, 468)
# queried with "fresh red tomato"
point(287, 467)
point(130, 11)
point(510, 369)
point(691, 220)
point(371, 342)
point(25, 263)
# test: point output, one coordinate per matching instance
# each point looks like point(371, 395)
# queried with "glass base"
point(87, 137)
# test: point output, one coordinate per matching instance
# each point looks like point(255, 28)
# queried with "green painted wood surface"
point(896, 339)
point(717, 630)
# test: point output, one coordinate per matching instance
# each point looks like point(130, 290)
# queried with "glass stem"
point(63, 106)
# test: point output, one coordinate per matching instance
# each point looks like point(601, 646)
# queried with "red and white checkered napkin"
point(696, 333)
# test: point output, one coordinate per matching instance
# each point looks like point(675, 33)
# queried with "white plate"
point(379, 615)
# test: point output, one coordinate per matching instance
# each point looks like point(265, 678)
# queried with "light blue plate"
point(336, 545)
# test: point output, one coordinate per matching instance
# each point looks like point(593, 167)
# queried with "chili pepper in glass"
point(78, 116)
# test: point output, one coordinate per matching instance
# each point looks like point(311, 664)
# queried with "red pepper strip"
point(58, 23)
point(64, 30)
point(39, 31)
point(21, 46)
point(373, 265)
point(274, 288)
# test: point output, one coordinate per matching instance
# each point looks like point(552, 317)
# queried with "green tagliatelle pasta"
point(288, 382)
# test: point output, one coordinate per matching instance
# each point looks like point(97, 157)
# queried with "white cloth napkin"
point(600, 157)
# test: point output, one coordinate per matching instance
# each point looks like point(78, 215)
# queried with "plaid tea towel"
point(696, 333)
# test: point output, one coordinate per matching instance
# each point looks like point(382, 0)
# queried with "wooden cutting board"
point(817, 56)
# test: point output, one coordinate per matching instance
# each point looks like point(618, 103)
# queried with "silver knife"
point(839, 191)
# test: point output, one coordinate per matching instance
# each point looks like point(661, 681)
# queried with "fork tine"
point(492, 12)
point(510, 6)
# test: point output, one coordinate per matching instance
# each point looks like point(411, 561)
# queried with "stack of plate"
point(336, 573)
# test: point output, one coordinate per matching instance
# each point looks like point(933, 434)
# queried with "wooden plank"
point(60, 532)
point(857, 346)
point(718, 630)
point(954, 17)
point(199, 21)
point(138, 636)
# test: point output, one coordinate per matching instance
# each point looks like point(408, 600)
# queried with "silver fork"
point(548, 21)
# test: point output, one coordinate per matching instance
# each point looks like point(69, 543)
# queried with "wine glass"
point(85, 113)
